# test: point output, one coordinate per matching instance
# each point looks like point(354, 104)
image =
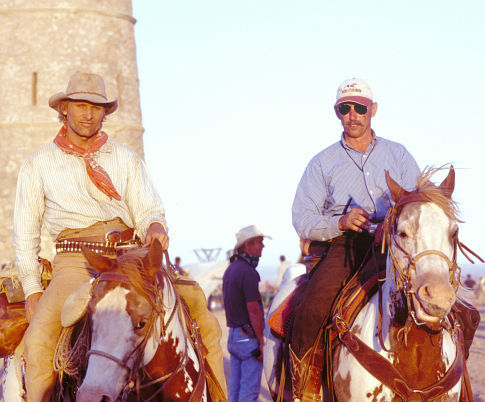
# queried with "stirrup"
point(306, 376)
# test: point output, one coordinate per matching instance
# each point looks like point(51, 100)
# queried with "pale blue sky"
point(237, 96)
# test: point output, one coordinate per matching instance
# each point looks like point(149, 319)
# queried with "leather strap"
point(113, 236)
point(383, 370)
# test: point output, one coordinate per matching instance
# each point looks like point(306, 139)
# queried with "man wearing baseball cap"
point(341, 196)
point(244, 315)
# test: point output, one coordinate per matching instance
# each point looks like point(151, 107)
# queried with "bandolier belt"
point(113, 241)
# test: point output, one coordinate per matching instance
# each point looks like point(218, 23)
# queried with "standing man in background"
point(281, 270)
point(244, 315)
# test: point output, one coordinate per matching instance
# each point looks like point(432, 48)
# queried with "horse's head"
point(421, 231)
point(123, 315)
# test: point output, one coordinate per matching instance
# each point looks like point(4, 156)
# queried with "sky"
point(237, 97)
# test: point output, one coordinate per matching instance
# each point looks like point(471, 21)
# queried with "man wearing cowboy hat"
point(244, 315)
point(83, 187)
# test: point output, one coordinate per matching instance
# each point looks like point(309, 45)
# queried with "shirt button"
point(367, 173)
point(371, 192)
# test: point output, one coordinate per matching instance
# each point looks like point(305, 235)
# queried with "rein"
point(157, 313)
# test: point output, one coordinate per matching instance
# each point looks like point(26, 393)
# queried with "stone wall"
point(43, 43)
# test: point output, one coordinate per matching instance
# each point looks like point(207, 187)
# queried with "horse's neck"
point(173, 344)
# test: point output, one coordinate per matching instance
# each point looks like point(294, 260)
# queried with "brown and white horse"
point(140, 344)
point(403, 344)
point(140, 347)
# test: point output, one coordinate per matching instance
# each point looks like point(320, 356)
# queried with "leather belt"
point(112, 242)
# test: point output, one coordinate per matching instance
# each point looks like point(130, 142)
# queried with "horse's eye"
point(403, 235)
point(140, 325)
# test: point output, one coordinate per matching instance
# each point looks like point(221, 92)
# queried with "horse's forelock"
point(131, 264)
point(428, 191)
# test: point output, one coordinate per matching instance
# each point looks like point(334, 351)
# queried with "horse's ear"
point(153, 260)
point(99, 262)
point(448, 184)
point(397, 192)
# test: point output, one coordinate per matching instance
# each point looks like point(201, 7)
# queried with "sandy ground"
point(475, 364)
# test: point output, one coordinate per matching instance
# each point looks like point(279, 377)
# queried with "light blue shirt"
point(339, 173)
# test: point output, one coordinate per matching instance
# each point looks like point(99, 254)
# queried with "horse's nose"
point(436, 298)
point(93, 395)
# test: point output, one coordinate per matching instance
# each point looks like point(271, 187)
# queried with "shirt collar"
point(348, 147)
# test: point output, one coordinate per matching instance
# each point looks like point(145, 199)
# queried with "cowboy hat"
point(85, 87)
point(246, 234)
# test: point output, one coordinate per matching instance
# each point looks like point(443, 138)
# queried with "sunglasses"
point(344, 108)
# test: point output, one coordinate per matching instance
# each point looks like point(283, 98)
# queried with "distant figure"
point(469, 282)
point(267, 292)
point(178, 268)
point(244, 315)
point(480, 294)
point(281, 270)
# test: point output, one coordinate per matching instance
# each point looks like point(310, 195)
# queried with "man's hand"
point(357, 220)
point(30, 304)
point(156, 231)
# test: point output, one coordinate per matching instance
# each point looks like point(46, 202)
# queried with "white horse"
point(404, 345)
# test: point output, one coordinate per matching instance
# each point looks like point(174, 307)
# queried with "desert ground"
point(475, 363)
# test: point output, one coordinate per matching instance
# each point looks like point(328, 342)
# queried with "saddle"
point(13, 324)
point(13, 321)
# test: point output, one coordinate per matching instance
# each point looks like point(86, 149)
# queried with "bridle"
point(402, 275)
point(158, 313)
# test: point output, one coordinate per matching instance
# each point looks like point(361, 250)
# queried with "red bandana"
point(95, 172)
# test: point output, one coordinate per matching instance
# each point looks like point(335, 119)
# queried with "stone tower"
point(43, 43)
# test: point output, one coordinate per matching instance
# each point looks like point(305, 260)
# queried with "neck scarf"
point(95, 172)
point(250, 259)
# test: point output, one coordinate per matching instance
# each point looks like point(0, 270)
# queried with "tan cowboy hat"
point(85, 87)
point(246, 234)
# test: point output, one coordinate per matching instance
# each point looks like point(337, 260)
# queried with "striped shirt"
point(54, 189)
point(339, 173)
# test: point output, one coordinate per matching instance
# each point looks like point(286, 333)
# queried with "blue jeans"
point(246, 369)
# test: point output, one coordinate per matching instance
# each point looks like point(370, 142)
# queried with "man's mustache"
point(354, 123)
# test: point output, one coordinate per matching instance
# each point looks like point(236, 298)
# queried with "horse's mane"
point(432, 193)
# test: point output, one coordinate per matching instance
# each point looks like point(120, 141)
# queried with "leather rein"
point(380, 367)
point(157, 313)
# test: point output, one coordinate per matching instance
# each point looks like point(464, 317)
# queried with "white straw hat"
point(248, 233)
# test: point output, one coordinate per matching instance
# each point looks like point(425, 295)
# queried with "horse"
point(404, 344)
point(135, 341)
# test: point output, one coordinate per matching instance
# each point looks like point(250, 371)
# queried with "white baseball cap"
point(354, 90)
point(246, 234)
